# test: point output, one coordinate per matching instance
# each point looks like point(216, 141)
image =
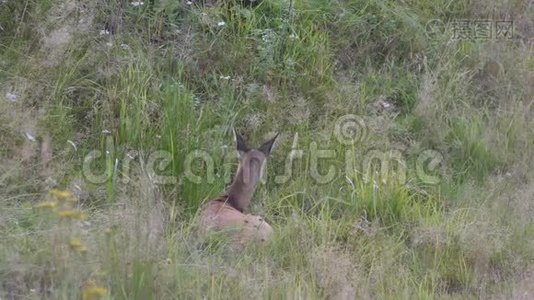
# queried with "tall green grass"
point(160, 95)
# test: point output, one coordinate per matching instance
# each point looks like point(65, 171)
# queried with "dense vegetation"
point(99, 99)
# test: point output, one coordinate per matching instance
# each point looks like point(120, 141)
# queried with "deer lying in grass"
point(227, 212)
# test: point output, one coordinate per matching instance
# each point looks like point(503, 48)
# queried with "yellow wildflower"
point(47, 204)
point(77, 245)
point(72, 213)
point(60, 194)
point(91, 291)
point(71, 199)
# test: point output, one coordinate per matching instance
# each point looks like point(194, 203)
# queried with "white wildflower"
point(11, 97)
point(221, 23)
point(104, 32)
point(29, 136)
point(386, 104)
point(137, 3)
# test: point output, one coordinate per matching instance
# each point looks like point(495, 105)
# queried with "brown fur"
point(220, 216)
point(227, 212)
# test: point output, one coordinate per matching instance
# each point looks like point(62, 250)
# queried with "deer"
point(228, 212)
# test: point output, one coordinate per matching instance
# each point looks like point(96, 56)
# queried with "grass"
point(135, 125)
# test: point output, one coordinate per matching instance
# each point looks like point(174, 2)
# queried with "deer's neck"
point(242, 188)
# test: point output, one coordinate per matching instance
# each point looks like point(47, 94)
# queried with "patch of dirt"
point(337, 275)
point(68, 18)
point(524, 289)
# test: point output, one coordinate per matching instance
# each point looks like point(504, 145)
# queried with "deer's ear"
point(240, 143)
point(267, 146)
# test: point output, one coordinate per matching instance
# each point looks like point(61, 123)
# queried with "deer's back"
point(218, 216)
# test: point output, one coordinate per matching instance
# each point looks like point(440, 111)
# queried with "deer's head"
point(251, 165)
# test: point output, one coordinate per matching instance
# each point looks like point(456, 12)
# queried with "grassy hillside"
point(403, 170)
